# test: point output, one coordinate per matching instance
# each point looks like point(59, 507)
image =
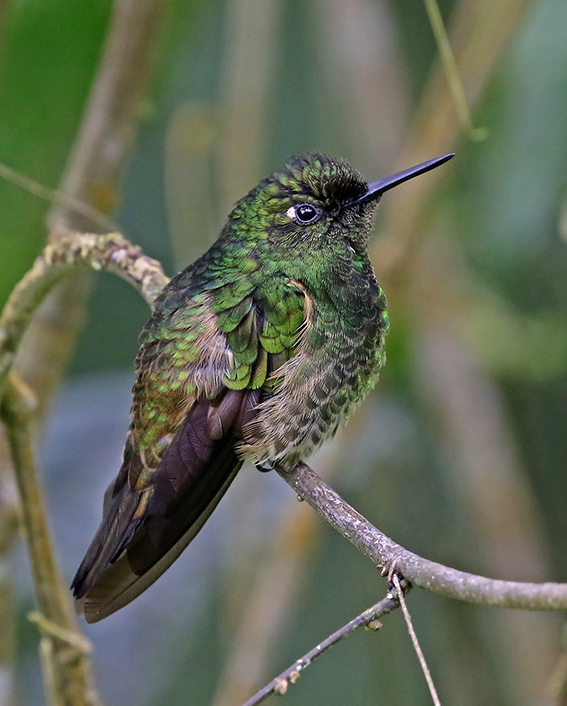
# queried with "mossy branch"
point(60, 260)
point(64, 651)
point(67, 668)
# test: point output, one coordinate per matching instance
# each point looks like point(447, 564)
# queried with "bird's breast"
point(337, 361)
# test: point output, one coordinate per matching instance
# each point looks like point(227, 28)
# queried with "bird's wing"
point(204, 364)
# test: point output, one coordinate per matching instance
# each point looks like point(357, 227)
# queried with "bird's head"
point(315, 204)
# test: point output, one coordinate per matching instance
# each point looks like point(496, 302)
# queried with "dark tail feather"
point(142, 533)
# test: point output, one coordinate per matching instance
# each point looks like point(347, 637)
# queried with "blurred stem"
point(248, 71)
point(366, 77)
point(113, 112)
point(8, 534)
point(479, 32)
point(468, 415)
point(68, 674)
point(92, 176)
point(557, 685)
point(269, 601)
point(452, 72)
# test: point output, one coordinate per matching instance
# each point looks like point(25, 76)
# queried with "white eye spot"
point(304, 213)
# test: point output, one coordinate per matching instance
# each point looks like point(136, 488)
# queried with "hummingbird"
point(258, 351)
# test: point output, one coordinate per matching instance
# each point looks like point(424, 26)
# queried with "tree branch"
point(64, 651)
point(385, 553)
point(292, 674)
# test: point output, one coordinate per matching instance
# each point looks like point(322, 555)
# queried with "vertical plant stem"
point(68, 672)
point(8, 533)
point(451, 71)
point(93, 175)
point(247, 73)
point(64, 652)
point(480, 31)
point(113, 112)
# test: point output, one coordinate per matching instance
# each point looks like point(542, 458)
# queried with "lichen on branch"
point(61, 259)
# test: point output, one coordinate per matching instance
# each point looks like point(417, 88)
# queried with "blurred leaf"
point(514, 344)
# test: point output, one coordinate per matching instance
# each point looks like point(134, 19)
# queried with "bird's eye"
point(304, 213)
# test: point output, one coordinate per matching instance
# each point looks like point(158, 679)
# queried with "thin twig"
point(72, 203)
point(415, 641)
point(419, 571)
point(452, 72)
point(292, 673)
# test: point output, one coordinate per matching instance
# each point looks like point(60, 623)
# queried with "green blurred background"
point(459, 455)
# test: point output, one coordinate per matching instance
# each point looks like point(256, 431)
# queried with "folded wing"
point(203, 369)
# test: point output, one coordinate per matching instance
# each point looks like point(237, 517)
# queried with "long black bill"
point(377, 188)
